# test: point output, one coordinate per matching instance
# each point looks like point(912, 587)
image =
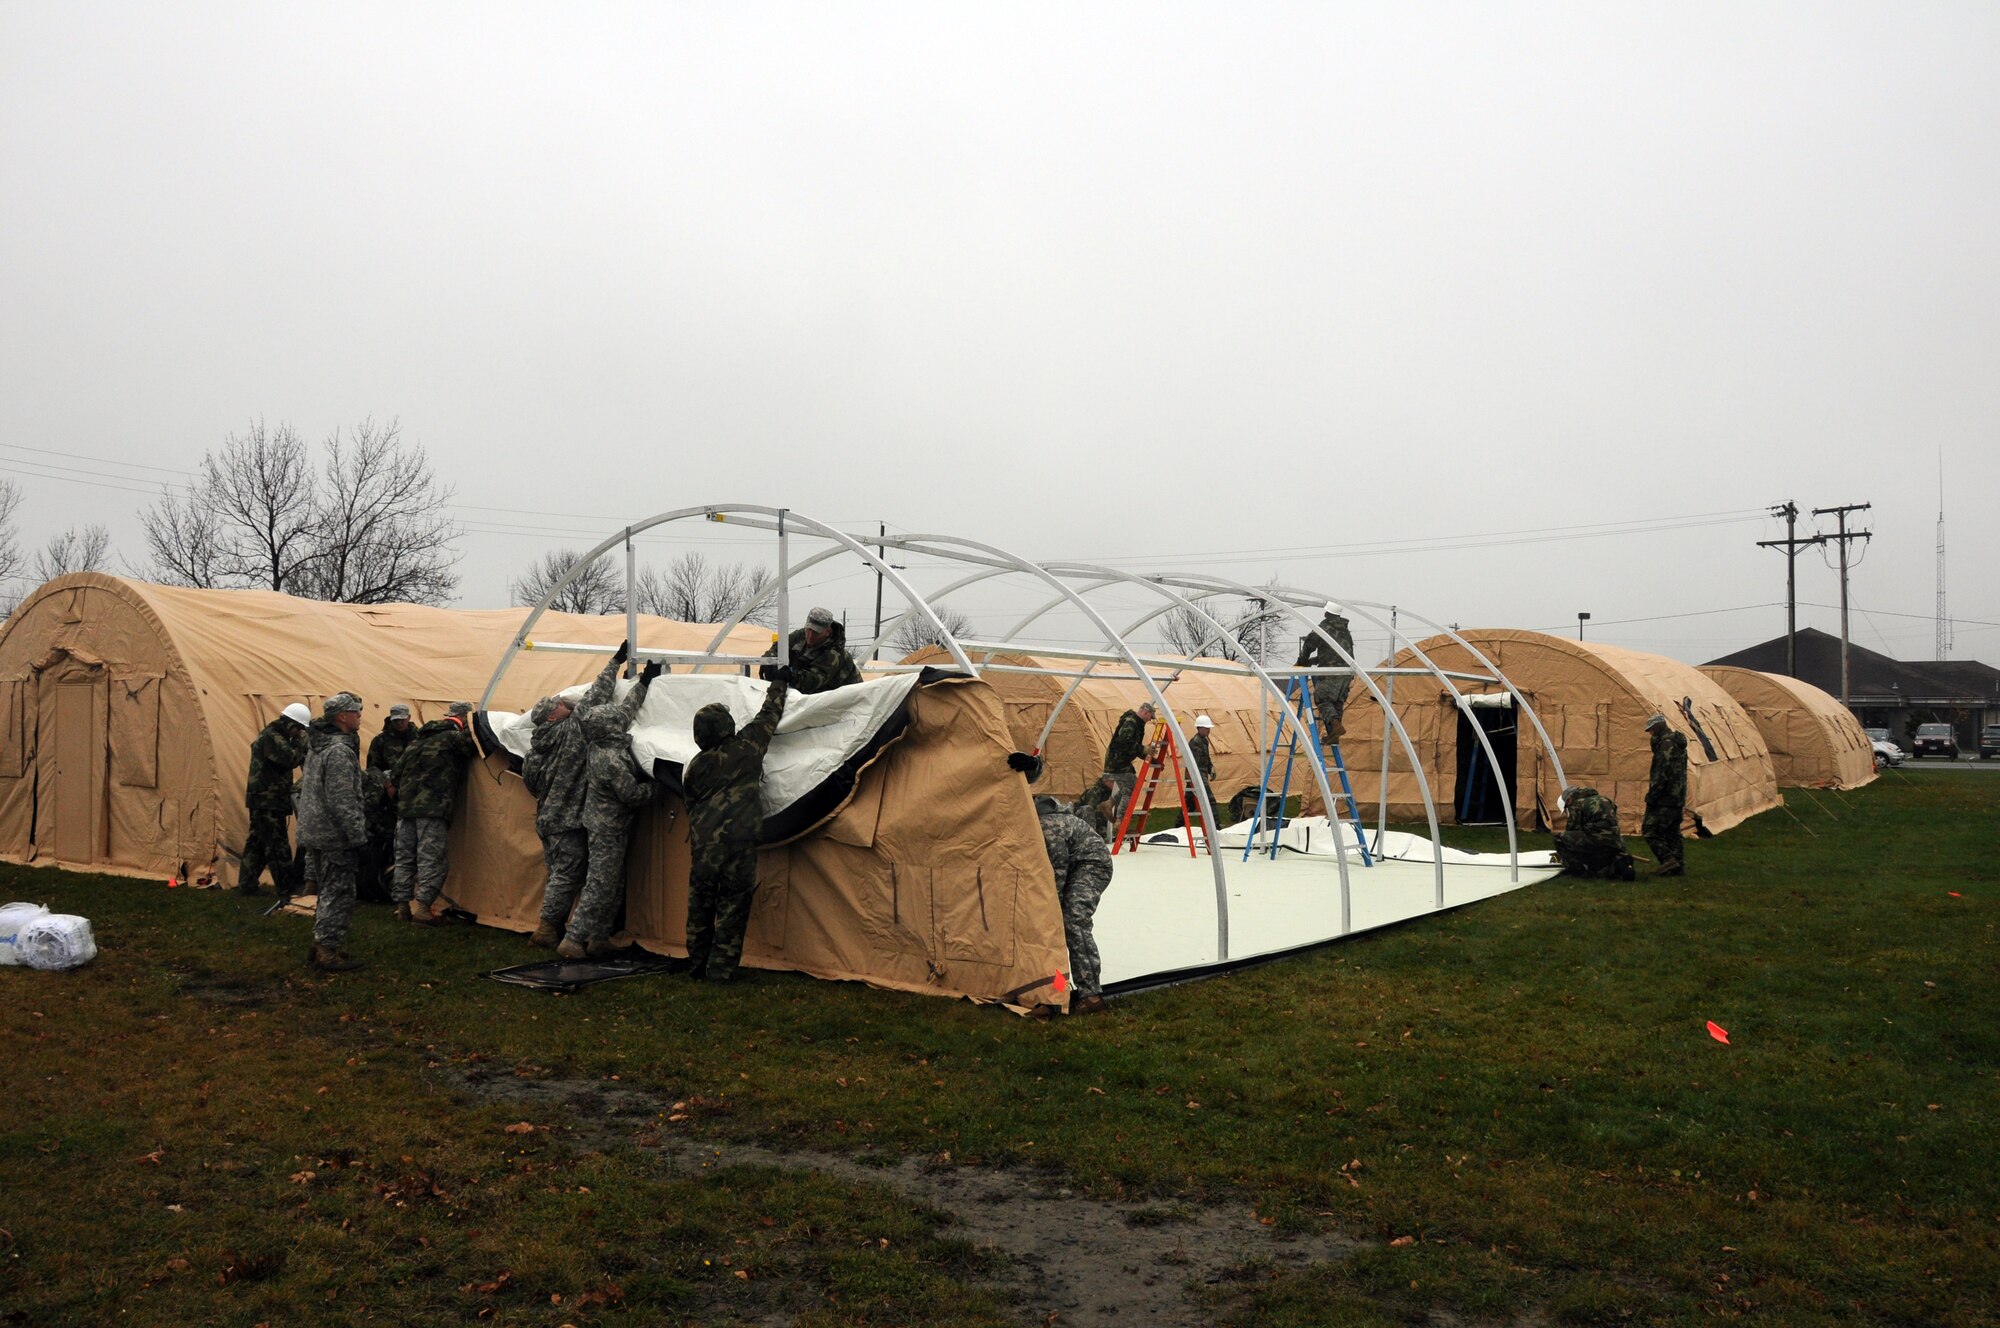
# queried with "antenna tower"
point(1943, 617)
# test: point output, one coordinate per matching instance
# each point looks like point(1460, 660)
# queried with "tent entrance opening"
point(76, 789)
point(1478, 801)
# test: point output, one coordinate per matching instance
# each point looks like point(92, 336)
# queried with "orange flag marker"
point(1060, 983)
point(1954, 894)
point(1718, 1032)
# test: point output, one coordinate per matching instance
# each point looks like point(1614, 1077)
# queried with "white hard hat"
point(298, 714)
point(1332, 608)
point(1203, 722)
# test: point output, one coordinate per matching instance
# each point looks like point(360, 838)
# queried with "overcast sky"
point(1321, 291)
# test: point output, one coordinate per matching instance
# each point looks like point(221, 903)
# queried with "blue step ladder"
point(1298, 700)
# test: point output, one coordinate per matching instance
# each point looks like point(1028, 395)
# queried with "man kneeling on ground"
point(1591, 845)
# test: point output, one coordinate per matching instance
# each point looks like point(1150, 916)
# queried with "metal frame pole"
point(631, 600)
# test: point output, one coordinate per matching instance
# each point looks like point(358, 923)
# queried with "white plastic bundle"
point(56, 940)
point(13, 917)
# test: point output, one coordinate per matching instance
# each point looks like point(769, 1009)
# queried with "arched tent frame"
point(1072, 584)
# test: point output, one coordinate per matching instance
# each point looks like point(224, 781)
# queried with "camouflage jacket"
point(388, 747)
point(1079, 857)
point(722, 783)
point(1198, 748)
point(823, 667)
point(428, 772)
point(1667, 784)
point(1128, 744)
point(557, 768)
point(274, 754)
point(613, 773)
point(1592, 819)
point(1316, 654)
point(331, 815)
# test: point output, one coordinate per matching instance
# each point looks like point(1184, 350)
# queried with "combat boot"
point(403, 911)
point(421, 914)
point(571, 950)
point(1669, 869)
point(1087, 1005)
point(334, 961)
point(247, 888)
point(545, 937)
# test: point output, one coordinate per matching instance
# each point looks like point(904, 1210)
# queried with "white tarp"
point(817, 735)
point(1314, 835)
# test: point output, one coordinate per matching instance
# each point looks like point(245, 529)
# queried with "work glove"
point(654, 668)
point(781, 673)
point(623, 653)
point(1022, 761)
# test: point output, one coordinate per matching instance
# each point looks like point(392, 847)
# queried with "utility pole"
point(1581, 619)
point(1791, 545)
point(1844, 536)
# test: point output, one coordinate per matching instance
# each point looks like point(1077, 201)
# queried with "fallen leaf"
point(303, 1177)
point(1098, 1091)
point(1935, 1106)
point(179, 1265)
point(1401, 1241)
point(743, 1274)
point(520, 1127)
point(152, 1157)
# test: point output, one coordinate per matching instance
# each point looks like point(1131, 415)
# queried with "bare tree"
point(916, 631)
point(1255, 629)
point(13, 564)
point(74, 550)
point(368, 528)
point(693, 589)
point(379, 535)
point(598, 590)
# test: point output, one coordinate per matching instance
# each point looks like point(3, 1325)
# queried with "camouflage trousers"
point(1079, 906)
point(337, 868)
point(607, 828)
point(1581, 856)
point(1330, 703)
point(566, 855)
point(1123, 783)
point(269, 845)
point(420, 859)
point(720, 892)
point(1662, 829)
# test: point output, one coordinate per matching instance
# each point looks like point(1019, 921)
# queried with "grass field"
point(1509, 1114)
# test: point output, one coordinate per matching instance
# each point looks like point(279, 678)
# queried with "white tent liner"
point(1158, 916)
point(1316, 835)
point(817, 735)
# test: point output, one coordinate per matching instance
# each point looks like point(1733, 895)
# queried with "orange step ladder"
point(1161, 756)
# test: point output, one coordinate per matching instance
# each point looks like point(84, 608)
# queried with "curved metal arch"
point(1312, 628)
point(721, 512)
point(1361, 607)
point(1117, 642)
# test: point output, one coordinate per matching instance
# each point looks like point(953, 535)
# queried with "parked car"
point(1989, 742)
point(1887, 753)
point(1937, 740)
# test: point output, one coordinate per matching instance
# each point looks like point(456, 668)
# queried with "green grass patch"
point(1517, 1106)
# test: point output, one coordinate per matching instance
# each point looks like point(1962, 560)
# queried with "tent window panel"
point(975, 907)
point(135, 731)
point(1584, 749)
point(13, 733)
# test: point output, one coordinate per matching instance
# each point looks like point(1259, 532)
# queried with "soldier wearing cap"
point(427, 778)
point(1128, 744)
point(1082, 865)
point(379, 791)
point(1329, 691)
point(1666, 796)
point(275, 752)
point(723, 785)
point(333, 825)
point(820, 661)
point(1590, 843)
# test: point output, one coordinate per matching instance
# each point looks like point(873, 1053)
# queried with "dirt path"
point(1071, 1260)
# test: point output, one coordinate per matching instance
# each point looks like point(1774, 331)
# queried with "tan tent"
point(127, 711)
point(1593, 699)
point(1815, 741)
point(1075, 754)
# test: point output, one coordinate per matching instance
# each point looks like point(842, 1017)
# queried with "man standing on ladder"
point(1328, 691)
point(1203, 762)
point(1128, 744)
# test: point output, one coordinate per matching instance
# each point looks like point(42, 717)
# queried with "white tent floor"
point(1159, 915)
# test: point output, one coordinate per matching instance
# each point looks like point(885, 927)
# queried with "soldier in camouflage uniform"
point(427, 778)
point(1329, 693)
point(1128, 744)
point(333, 825)
point(820, 661)
point(1204, 764)
point(1082, 865)
point(275, 752)
point(1666, 796)
point(723, 786)
point(615, 788)
point(1590, 844)
point(557, 772)
point(1089, 807)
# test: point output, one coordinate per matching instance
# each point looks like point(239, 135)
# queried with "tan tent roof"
point(1815, 741)
point(1075, 755)
point(127, 712)
point(1594, 700)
